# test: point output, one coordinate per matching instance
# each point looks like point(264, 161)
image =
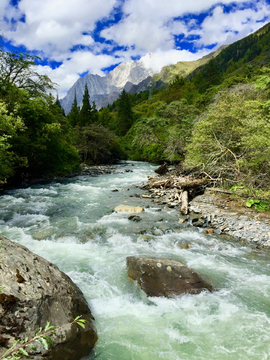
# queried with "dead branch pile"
point(176, 189)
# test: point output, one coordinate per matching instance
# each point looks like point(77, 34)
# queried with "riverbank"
point(218, 213)
point(224, 217)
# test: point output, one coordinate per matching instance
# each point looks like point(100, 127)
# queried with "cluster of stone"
point(241, 226)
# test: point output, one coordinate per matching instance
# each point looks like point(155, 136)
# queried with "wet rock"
point(129, 209)
point(162, 170)
point(36, 291)
point(183, 246)
point(140, 232)
point(181, 221)
point(135, 218)
point(115, 190)
point(164, 277)
point(146, 238)
point(208, 231)
point(157, 232)
point(198, 222)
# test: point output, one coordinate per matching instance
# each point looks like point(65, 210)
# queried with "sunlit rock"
point(129, 209)
point(165, 277)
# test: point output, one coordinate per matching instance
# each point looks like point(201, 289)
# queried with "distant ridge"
point(106, 89)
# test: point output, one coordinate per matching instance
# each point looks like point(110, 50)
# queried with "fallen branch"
point(184, 205)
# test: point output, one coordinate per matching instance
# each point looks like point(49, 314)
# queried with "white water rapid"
point(72, 225)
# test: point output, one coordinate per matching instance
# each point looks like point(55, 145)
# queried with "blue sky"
point(75, 37)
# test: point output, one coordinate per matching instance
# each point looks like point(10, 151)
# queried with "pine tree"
point(94, 112)
point(86, 116)
point(125, 114)
point(58, 104)
point(73, 115)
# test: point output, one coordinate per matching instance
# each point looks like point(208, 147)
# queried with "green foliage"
point(258, 204)
point(19, 69)
point(42, 337)
point(73, 115)
point(10, 126)
point(232, 140)
point(96, 144)
point(125, 114)
point(85, 115)
point(47, 143)
point(164, 135)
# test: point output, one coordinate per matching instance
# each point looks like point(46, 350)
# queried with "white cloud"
point(159, 58)
point(80, 62)
point(149, 24)
point(54, 27)
point(225, 28)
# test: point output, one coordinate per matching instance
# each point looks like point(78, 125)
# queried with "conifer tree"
point(125, 114)
point(58, 104)
point(85, 116)
point(94, 112)
point(73, 115)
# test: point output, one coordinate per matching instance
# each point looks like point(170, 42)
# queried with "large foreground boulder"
point(164, 277)
point(35, 291)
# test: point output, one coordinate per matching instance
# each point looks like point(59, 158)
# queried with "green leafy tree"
point(105, 117)
point(46, 144)
point(10, 125)
point(232, 140)
point(96, 144)
point(20, 69)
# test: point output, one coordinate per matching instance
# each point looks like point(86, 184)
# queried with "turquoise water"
point(72, 224)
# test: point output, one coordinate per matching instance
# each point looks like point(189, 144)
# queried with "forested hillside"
point(214, 122)
point(37, 140)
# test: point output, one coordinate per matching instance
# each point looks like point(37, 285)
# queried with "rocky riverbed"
point(218, 214)
point(213, 212)
point(224, 217)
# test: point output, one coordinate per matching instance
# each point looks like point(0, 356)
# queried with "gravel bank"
point(242, 224)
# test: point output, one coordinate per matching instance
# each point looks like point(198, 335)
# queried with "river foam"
point(72, 225)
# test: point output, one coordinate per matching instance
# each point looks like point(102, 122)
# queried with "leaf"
point(9, 349)
point(48, 327)
point(78, 317)
point(249, 203)
point(32, 347)
point(43, 342)
point(49, 340)
point(25, 340)
point(23, 352)
point(81, 324)
point(38, 332)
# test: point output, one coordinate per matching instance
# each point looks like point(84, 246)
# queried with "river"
point(71, 223)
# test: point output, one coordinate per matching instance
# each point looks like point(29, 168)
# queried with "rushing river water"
point(72, 224)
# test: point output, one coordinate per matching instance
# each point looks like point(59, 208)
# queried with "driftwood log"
point(183, 186)
point(183, 183)
point(184, 205)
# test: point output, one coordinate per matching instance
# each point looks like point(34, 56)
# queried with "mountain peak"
point(101, 88)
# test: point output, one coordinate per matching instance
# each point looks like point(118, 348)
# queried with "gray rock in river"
point(164, 277)
point(36, 291)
